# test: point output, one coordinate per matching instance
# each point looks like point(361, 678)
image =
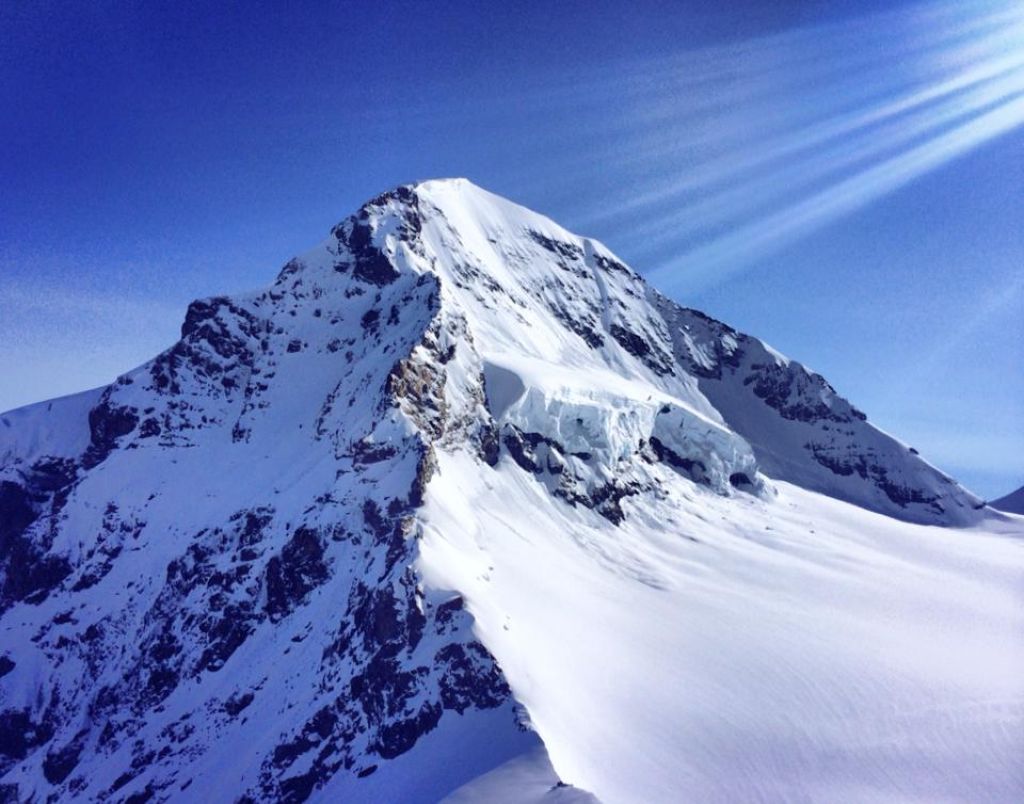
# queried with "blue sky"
point(841, 179)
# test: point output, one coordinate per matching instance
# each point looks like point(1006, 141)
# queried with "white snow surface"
point(710, 649)
point(459, 506)
point(57, 428)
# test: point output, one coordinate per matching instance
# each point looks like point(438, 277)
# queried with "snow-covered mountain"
point(459, 506)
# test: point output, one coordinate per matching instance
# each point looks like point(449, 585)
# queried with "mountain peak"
point(465, 207)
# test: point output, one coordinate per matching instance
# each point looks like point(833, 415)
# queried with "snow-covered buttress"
point(246, 570)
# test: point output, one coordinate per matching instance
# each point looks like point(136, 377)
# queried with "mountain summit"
point(460, 506)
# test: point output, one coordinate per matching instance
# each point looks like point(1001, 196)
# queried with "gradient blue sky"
point(842, 179)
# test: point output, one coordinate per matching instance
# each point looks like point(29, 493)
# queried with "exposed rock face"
point(208, 569)
point(28, 571)
point(802, 431)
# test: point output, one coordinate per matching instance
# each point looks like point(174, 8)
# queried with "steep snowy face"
point(211, 571)
point(549, 346)
point(561, 317)
point(207, 568)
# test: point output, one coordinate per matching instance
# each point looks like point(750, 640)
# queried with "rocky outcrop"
point(803, 431)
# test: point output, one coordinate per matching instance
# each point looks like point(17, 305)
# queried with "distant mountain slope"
point(460, 502)
point(1012, 503)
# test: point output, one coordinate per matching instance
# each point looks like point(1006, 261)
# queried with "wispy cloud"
point(736, 151)
point(732, 251)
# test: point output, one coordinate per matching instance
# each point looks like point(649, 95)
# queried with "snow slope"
point(710, 649)
point(459, 506)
